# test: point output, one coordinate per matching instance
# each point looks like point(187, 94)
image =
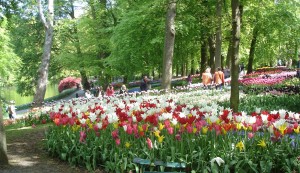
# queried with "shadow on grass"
point(27, 152)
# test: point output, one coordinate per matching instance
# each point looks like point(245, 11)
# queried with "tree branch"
point(42, 14)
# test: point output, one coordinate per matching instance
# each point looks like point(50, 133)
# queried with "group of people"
point(217, 79)
point(108, 92)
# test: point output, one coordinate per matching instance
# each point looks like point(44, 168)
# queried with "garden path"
point(27, 154)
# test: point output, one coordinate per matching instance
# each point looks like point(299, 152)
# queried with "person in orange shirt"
point(219, 78)
point(206, 78)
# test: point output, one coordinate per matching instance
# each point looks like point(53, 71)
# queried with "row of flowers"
point(267, 71)
point(173, 127)
point(268, 79)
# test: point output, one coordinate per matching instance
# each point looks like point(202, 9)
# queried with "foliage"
point(67, 83)
point(9, 61)
point(269, 102)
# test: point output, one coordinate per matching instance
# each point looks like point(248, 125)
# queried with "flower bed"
point(207, 137)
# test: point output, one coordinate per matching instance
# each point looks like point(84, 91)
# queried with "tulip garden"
point(188, 125)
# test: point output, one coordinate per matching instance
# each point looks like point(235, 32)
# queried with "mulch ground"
point(27, 154)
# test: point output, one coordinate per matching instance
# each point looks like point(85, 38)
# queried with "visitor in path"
point(110, 90)
point(144, 86)
point(189, 79)
point(88, 94)
point(123, 90)
point(219, 78)
point(206, 78)
point(11, 110)
point(226, 72)
point(100, 92)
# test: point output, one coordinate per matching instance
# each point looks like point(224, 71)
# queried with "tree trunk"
point(177, 69)
point(183, 67)
point(212, 48)
point(203, 56)
point(218, 34)
point(236, 18)
point(252, 50)
point(193, 66)
point(169, 45)
point(44, 66)
point(229, 54)
point(3, 146)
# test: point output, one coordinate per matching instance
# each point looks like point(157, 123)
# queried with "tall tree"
point(236, 21)
point(218, 34)
point(169, 45)
point(9, 63)
point(44, 66)
point(3, 147)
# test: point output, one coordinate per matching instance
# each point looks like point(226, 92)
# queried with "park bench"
point(146, 166)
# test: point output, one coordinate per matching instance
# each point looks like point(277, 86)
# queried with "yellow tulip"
point(160, 139)
point(240, 145)
point(116, 125)
point(140, 128)
point(194, 130)
point(282, 128)
point(297, 130)
point(161, 126)
point(156, 133)
point(262, 143)
point(204, 130)
point(127, 144)
point(239, 126)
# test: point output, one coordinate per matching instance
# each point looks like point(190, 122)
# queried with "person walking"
point(189, 79)
point(144, 86)
point(206, 78)
point(219, 78)
point(11, 110)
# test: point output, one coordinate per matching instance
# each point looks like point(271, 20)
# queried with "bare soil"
point(27, 154)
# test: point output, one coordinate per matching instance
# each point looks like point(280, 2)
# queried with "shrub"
point(68, 82)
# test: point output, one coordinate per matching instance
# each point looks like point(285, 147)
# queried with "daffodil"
point(240, 146)
point(262, 143)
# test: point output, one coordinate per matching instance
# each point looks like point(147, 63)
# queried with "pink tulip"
point(170, 130)
point(82, 137)
point(250, 135)
point(118, 141)
point(115, 134)
point(149, 142)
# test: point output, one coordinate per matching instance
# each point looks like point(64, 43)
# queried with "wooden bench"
point(146, 166)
